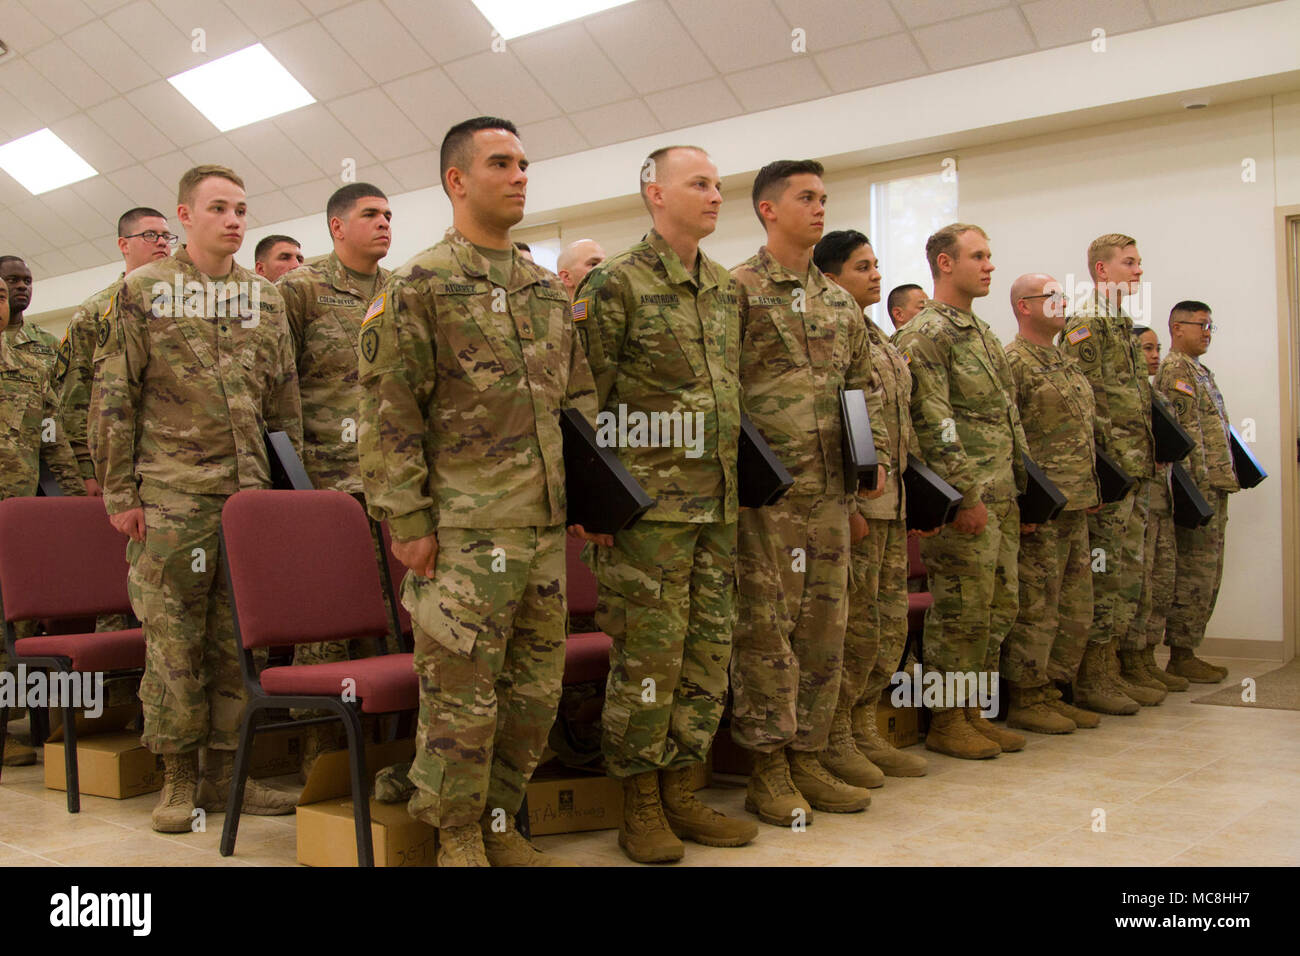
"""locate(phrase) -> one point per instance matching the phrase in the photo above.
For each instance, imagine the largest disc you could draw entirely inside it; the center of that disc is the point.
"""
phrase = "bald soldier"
(31, 341)
(1047, 640)
(577, 259)
(662, 331)
(182, 394)
(467, 358)
(969, 431)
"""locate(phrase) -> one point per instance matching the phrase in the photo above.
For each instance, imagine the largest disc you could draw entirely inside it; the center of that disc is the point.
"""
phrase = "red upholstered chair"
(60, 559)
(302, 570)
(918, 601)
(586, 654)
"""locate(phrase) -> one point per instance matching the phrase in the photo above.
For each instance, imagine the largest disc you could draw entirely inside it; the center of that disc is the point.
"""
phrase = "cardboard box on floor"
(326, 832)
(564, 800)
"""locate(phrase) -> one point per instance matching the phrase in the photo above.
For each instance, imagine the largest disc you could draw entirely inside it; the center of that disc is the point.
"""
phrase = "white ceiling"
(390, 76)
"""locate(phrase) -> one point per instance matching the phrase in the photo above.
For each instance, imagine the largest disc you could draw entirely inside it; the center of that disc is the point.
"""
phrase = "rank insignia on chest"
(1078, 335)
(1185, 387)
(369, 344)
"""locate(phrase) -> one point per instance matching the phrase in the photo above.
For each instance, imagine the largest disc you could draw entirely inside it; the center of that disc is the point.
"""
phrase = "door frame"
(1287, 222)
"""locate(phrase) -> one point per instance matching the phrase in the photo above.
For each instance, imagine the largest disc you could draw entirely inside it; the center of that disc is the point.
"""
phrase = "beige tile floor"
(1180, 784)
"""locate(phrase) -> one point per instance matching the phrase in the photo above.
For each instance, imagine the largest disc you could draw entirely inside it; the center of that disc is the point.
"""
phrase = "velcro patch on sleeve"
(579, 310)
(376, 307)
(1079, 334)
(1185, 387)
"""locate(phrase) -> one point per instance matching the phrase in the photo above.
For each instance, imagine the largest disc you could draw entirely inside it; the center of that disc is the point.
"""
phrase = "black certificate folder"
(760, 476)
(1249, 472)
(859, 448)
(1115, 481)
(1042, 500)
(931, 501)
(1172, 441)
(287, 472)
(603, 497)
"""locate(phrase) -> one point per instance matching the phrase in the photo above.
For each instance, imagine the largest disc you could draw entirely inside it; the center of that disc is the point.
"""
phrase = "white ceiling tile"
(109, 201)
(86, 255)
(324, 140)
(872, 63)
(11, 191)
(106, 53)
(265, 18)
(222, 151)
(832, 23)
(317, 62)
(792, 81)
(61, 15)
(17, 120)
(414, 172)
(164, 105)
(48, 265)
(318, 7)
(736, 35)
(131, 128)
(154, 39)
(93, 144)
(49, 224)
(76, 212)
(38, 94)
(616, 122)
(222, 32)
(919, 13)
(449, 30)
(274, 154)
(643, 39)
(549, 138)
(694, 104)
(377, 41)
(567, 62)
(311, 198)
(498, 85)
(1060, 22)
(974, 39)
(23, 30)
(169, 168)
(378, 124)
(1167, 11)
(70, 74)
(431, 101)
(102, 7)
(20, 239)
(273, 207)
(143, 188)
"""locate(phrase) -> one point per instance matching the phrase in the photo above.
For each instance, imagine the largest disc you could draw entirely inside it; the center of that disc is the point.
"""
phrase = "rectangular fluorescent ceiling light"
(514, 18)
(41, 161)
(241, 88)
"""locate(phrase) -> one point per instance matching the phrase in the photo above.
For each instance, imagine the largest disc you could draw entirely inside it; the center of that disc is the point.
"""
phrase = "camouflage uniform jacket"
(1057, 413)
(28, 415)
(893, 383)
(324, 308)
(1199, 406)
(183, 400)
(962, 406)
(35, 344)
(74, 371)
(462, 383)
(661, 341)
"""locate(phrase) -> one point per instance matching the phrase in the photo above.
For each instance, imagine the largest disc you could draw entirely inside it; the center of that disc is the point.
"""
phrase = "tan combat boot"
(175, 810)
(509, 848)
(1144, 694)
(772, 795)
(1183, 662)
(1053, 701)
(950, 733)
(644, 833)
(843, 759)
(18, 754)
(1028, 710)
(822, 789)
(1173, 683)
(1008, 741)
(692, 819)
(1095, 691)
(461, 846)
(259, 799)
(891, 760)
(1133, 671)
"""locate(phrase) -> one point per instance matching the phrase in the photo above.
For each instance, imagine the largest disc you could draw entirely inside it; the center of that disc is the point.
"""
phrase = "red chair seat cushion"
(917, 602)
(103, 651)
(586, 657)
(383, 684)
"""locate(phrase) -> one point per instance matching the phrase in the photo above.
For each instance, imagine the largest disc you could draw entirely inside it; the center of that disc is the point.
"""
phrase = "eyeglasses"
(1208, 326)
(1054, 297)
(150, 236)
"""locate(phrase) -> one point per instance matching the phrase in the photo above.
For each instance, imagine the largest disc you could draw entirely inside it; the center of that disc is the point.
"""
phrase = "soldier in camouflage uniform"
(1057, 413)
(1099, 335)
(877, 626)
(661, 328)
(31, 341)
(969, 431)
(184, 388)
(1199, 406)
(802, 342)
(467, 357)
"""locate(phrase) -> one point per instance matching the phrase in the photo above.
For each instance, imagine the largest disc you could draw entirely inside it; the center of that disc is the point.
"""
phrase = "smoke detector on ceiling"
(1196, 103)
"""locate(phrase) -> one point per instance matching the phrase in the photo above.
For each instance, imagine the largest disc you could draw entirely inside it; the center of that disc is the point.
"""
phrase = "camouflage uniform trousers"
(792, 608)
(1119, 530)
(1164, 559)
(1051, 630)
(975, 583)
(1198, 574)
(192, 690)
(668, 599)
(489, 652)
(1145, 613)
(877, 626)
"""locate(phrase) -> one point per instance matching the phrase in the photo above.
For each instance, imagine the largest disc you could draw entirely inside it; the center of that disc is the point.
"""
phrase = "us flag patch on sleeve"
(579, 310)
(1184, 387)
(1079, 334)
(376, 307)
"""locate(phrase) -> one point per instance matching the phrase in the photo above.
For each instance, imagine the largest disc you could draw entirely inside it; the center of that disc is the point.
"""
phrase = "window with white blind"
(904, 213)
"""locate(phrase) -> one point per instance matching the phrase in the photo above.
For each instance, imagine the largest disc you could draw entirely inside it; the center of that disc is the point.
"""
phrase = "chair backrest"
(60, 558)
(396, 571)
(302, 568)
(915, 566)
(582, 589)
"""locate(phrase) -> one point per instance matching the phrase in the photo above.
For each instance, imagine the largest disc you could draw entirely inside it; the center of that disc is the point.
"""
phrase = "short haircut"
(127, 222)
(896, 294)
(835, 248)
(649, 168)
(456, 144)
(523, 247)
(190, 181)
(1104, 246)
(1186, 307)
(341, 203)
(771, 179)
(4, 259)
(944, 242)
(265, 246)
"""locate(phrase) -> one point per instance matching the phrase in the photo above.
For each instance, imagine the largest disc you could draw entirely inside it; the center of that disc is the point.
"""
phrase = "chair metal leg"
(70, 758)
(238, 777)
(4, 734)
(360, 793)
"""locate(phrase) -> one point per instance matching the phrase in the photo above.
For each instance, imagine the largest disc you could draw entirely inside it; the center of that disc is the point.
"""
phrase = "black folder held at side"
(1042, 500)
(1172, 441)
(760, 476)
(1115, 481)
(931, 501)
(287, 472)
(46, 484)
(1191, 510)
(860, 462)
(602, 495)
(1247, 467)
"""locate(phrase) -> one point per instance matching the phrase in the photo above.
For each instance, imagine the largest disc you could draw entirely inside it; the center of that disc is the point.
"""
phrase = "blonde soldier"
(1191, 389)
(31, 341)
(877, 628)
(184, 388)
(802, 341)
(142, 237)
(467, 357)
(662, 332)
